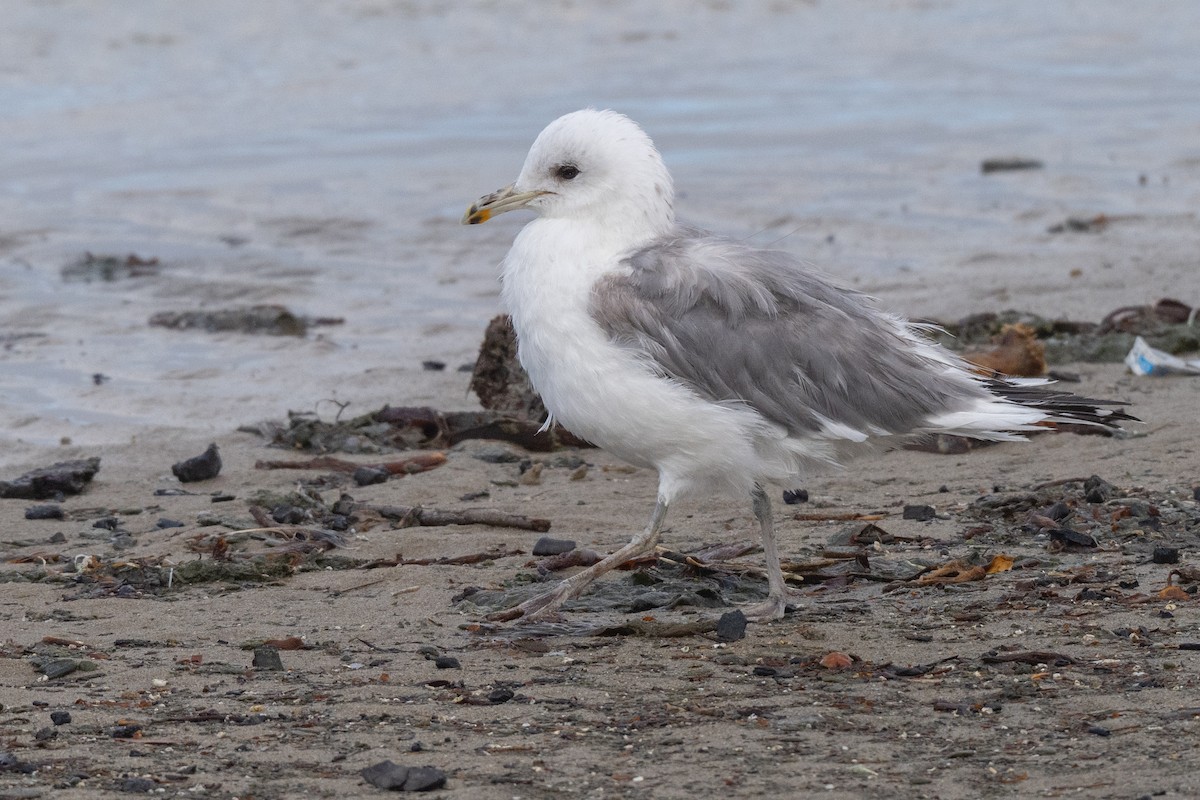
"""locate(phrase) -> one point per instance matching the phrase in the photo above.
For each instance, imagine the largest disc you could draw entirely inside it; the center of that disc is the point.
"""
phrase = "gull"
(724, 367)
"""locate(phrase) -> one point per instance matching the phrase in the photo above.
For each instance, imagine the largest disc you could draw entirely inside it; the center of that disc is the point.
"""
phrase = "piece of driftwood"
(413, 516)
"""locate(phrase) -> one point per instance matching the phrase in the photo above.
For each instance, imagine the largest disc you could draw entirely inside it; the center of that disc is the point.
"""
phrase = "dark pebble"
(731, 626)
(1165, 555)
(288, 514)
(221, 497)
(60, 717)
(125, 731)
(1099, 730)
(1196, 493)
(10, 763)
(472, 496)
(549, 546)
(267, 658)
(45, 734)
(368, 476)
(59, 667)
(1072, 537)
(107, 523)
(1189, 645)
(764, 672)
(53, 482)
(447, 662)
(388, 775)
(500, 695)
(138, 785)
(1097, 490)
(48, 511)
(794, 497)
(1058, 512)
(57, 538)
(203, 467)
(416, 747)
(920, 513)
(164, 523)
(433, 366)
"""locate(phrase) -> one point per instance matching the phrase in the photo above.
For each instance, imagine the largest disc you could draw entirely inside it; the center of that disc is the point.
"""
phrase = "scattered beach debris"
(203, 467)
(110, 267)
(364, 474)
(1016, 352)
(271, 320)
(54, 481)
(408, 428)
(1146, 360)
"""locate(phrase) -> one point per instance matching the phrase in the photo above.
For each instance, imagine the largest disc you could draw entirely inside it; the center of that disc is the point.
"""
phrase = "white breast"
(605, 393)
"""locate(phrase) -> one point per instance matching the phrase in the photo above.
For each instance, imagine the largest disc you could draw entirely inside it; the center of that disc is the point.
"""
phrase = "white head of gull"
(722, 366)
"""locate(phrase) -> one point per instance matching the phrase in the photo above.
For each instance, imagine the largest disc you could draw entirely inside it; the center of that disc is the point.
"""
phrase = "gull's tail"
(1061, 408)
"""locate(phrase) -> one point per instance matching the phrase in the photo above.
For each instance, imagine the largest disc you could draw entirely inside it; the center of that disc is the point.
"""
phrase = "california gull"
(725, 367)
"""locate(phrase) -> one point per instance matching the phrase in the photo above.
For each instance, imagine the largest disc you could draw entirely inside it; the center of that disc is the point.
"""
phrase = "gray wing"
(739, 324)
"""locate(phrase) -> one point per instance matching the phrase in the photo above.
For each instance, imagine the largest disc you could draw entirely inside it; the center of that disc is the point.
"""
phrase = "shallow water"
(319, 155)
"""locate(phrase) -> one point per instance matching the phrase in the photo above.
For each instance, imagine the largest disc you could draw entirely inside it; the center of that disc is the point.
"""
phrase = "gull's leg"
(777, 593)
(573, 586)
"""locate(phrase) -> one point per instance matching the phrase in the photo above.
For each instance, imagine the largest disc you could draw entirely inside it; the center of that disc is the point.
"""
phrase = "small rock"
(267, 658)
(794, 497)
(60, 717)
(388, 775)
(48, 511)
(496, 454)
(1058, 512)
(57, 538)
(500, 695)
(286, 514)
(731, 626)
(1097, 490)
(164, 523)
(1165, 555)
(137, 785)
(531, 476)
(59, 667)
(447, 662)
(920, 513)
(203, 467)
(131, 731)
(107, 523)
(368, 476)
(1099, 730)
(54, 481)
(10, 763)
(549, 546)
(45, 734)
(433, 366)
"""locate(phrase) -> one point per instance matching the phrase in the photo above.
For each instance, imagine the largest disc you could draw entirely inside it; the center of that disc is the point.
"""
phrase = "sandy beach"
(319, 159)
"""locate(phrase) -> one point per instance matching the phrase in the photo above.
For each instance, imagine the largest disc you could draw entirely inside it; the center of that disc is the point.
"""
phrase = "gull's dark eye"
(567, 171)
